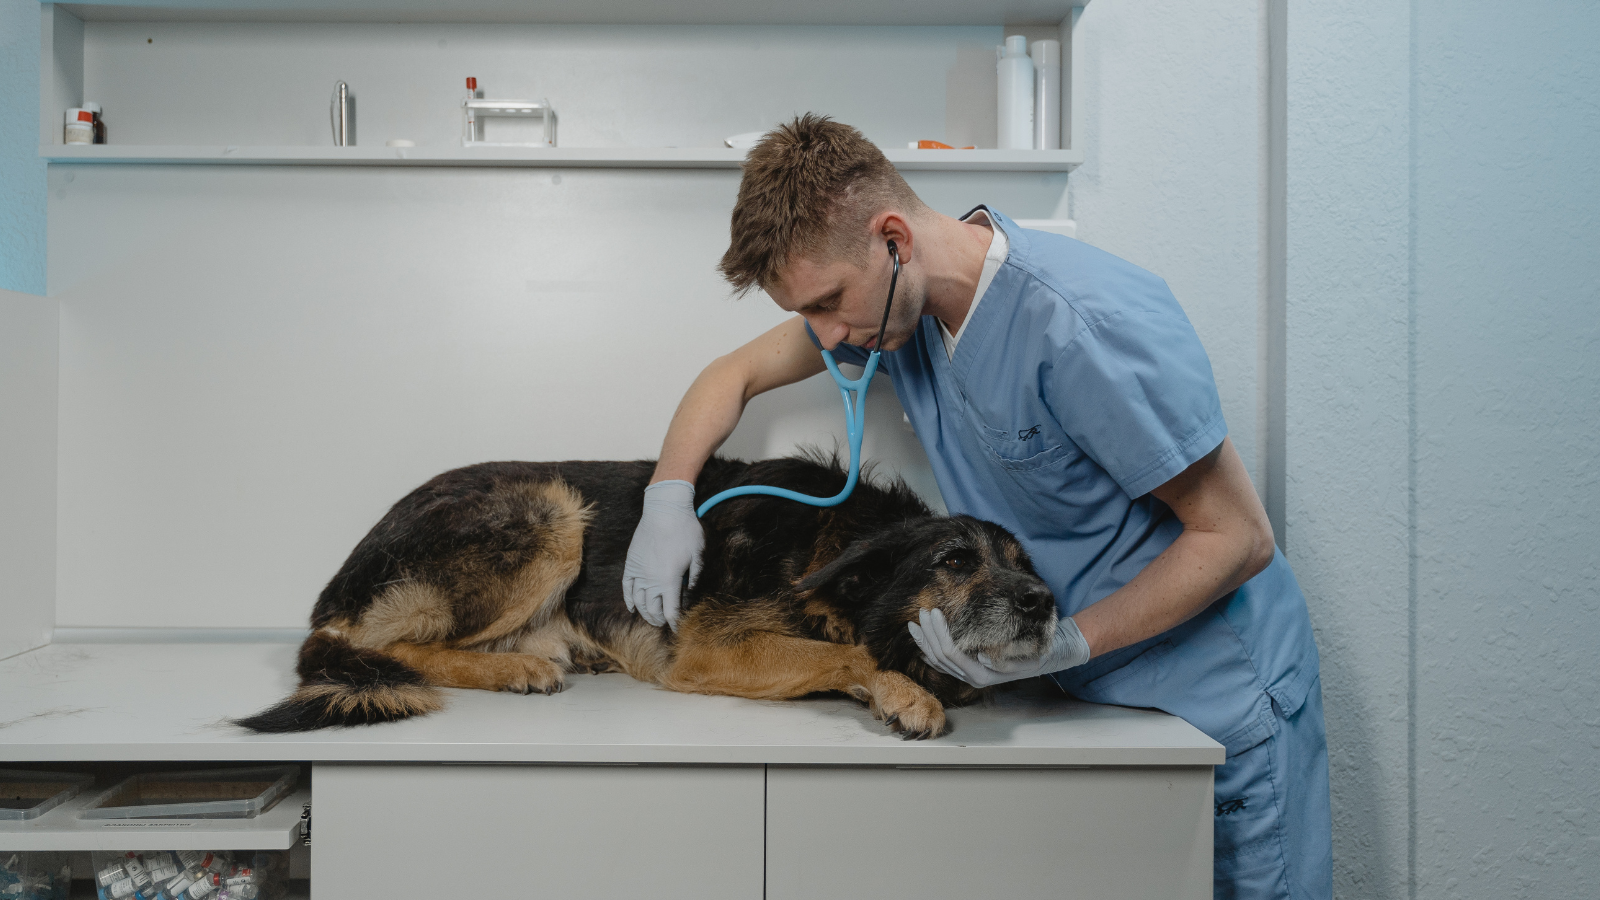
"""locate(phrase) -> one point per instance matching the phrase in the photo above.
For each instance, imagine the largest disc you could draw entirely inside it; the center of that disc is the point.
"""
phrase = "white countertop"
(149, 701)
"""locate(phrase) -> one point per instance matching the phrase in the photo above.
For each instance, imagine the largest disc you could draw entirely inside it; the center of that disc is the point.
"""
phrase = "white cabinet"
(666, 832)
(913, 833)
(779, 832)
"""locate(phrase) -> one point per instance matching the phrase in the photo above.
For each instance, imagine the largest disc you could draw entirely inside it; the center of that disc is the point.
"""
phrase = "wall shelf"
(698, 12)
(561, 157)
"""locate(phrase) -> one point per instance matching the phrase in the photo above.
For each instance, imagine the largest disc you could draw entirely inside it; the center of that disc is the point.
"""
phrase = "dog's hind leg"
(508, 632)
(522, 673)
(770, 666)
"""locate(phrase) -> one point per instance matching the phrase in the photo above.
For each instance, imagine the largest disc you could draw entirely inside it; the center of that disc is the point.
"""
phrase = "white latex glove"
(666, 544)
(932, 634)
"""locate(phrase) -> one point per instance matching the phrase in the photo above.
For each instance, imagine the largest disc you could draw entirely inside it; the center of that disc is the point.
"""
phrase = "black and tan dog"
(506, 577)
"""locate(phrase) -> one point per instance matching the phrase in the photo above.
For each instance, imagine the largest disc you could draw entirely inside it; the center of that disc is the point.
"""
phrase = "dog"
(507, 576)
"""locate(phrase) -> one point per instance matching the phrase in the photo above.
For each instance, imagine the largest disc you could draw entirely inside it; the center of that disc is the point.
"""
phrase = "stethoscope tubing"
(855, 418)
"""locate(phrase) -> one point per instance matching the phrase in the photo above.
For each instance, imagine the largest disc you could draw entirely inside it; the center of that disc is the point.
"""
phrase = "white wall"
(27, 471)
(256, 362)
(1443, 419)
(1506, 385)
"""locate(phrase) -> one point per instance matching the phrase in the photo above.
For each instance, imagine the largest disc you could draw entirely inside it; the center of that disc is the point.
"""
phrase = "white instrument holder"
(475, 111)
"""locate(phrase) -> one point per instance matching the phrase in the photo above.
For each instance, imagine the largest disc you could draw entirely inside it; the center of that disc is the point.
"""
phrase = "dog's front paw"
(522, 673)
(907, 708)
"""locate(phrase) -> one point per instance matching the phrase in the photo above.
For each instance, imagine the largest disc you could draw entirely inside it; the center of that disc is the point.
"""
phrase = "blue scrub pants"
(1273, 835)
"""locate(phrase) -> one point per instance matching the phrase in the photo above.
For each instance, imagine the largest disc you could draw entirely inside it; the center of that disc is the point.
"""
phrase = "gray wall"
(1444, 409)
(27, 348)
(28, 369)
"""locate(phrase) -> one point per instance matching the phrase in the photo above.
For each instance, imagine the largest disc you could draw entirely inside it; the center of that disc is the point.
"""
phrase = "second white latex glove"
(666, 544)
(932, 634)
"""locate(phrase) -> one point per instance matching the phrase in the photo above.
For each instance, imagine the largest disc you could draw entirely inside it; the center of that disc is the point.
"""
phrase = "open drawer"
(279, 828)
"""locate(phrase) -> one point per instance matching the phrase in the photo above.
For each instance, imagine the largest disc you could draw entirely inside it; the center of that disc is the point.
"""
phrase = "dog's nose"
(1035, 599)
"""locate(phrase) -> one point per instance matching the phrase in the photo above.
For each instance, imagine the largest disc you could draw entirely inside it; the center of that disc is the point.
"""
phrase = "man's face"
(844, 304)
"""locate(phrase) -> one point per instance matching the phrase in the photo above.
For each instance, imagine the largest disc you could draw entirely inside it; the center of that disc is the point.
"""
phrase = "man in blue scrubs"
(1060, 392)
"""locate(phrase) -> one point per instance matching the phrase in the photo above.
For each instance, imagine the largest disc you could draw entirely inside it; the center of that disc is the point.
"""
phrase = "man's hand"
(666, 544)
(932, 634)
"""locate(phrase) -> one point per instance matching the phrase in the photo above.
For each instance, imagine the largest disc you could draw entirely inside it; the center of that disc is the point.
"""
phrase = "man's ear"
(894, 226)
(850, 569)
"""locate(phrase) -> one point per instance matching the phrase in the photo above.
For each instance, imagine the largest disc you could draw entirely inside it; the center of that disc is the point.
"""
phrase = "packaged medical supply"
(160, 866)
(181, 875)
(99, 122)
(79, 126)
(1046, 94)
(1015, 98)
(470, 132)
(35, 875)
(203, 887)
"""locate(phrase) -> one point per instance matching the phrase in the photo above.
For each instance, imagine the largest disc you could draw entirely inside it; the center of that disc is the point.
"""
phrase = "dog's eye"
(956, 562)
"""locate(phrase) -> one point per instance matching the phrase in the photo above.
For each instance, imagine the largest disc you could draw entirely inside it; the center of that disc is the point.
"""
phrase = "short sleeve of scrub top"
(1135, 392)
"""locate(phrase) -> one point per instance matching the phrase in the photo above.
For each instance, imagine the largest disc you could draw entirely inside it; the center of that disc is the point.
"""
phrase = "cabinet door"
(572, 832)
(840, 833)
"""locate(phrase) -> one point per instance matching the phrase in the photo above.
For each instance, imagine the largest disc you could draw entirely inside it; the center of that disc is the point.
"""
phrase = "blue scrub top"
(1077, 386)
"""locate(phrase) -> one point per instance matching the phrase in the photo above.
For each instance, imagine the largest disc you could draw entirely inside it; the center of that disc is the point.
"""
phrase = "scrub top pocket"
(1033, 443)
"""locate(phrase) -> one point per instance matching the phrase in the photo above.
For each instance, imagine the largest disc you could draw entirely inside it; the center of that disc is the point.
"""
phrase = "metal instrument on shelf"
(339, 114)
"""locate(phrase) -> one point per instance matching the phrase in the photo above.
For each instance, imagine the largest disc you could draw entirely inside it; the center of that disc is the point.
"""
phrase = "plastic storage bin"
(29, 795)
(207, 794)
(191, 874)
(35, 875)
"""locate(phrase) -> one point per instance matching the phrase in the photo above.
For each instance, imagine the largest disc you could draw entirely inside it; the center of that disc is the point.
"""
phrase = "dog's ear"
(850, 569)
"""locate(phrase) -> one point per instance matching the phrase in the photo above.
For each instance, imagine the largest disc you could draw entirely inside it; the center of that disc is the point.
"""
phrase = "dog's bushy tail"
(342, 684)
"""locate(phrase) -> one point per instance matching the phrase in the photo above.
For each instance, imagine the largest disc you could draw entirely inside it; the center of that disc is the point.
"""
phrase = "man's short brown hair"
(810, 188)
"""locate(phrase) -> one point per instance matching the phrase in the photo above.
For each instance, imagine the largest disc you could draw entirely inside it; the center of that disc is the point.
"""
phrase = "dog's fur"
(507, 577)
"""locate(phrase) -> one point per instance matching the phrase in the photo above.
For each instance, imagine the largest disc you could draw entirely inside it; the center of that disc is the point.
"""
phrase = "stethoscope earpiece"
(894, 251)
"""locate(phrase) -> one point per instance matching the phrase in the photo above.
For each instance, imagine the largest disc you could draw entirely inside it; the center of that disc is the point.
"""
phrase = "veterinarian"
(1062, 393)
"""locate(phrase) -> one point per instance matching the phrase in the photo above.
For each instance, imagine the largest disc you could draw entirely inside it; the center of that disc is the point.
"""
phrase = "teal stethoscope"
(854, 393)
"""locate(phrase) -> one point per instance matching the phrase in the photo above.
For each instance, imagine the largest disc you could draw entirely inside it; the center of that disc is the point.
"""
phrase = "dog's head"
(975, 571)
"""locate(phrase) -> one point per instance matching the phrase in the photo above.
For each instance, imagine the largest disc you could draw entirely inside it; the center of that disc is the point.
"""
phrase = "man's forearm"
(707, 414)
(1187, 577)
(711, 408)
(1226, 540)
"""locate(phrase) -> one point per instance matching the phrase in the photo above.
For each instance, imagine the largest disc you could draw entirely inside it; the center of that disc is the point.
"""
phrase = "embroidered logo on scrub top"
(1229, 807)
(1030, 433)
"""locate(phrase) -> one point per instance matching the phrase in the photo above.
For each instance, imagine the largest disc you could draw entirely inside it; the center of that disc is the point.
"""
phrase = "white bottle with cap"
(79, 126)
(1015, 118)
(1046, 94)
